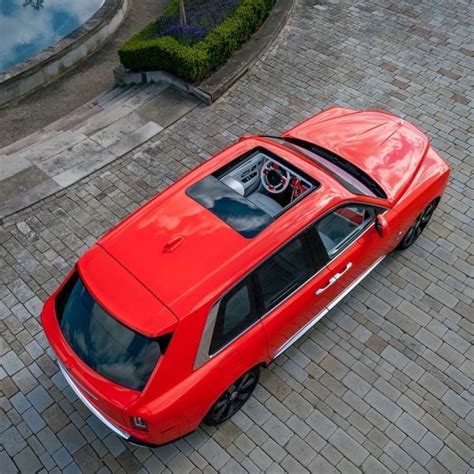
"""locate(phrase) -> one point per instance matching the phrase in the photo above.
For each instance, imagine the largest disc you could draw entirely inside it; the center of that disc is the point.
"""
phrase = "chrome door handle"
(333, 280)
(319, 291)
(339, 275)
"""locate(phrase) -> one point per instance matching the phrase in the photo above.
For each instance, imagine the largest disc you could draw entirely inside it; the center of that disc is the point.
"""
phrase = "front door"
(289, 286)
(352, 244)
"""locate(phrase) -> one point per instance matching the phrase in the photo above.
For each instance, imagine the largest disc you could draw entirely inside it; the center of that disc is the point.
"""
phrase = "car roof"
(184, 254)
(387, 148)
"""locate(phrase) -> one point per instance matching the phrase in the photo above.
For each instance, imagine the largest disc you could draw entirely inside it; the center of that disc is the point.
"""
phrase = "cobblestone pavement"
(385, 381)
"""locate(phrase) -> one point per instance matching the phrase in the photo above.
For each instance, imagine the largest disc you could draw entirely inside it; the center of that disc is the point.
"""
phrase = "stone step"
(53, 146)
(21, 146)
(120, 107)
(145, 95)
(136, 138)
(92, 117)
(26, 142)
(89, 109)
(114, 100)
(108, 95)
(114, 132)
(104, 114)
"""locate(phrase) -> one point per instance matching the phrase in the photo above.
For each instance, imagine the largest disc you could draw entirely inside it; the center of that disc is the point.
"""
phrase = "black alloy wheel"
(418, 226)
(233, 398)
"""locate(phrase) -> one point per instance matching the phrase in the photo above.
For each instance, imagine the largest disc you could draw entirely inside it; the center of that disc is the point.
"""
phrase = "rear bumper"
(113, 427)
(123, 434)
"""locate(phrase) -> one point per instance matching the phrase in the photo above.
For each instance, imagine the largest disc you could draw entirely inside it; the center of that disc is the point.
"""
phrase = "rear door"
(289, 285)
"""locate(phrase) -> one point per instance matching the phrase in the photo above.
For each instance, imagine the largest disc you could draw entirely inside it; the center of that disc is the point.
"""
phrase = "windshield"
(354, 179)
(104, 344)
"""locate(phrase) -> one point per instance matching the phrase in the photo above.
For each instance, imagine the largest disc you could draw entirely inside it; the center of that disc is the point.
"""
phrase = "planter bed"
(192, 52)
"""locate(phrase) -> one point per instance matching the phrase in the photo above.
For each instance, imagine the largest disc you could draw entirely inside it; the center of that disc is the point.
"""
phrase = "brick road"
(385, 381)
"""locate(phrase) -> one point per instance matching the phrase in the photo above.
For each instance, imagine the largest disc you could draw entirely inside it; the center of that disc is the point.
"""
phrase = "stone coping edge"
(47, 65)
(210, 89)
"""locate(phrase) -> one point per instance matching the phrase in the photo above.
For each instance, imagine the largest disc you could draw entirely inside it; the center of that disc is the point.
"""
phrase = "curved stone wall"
(50, 63)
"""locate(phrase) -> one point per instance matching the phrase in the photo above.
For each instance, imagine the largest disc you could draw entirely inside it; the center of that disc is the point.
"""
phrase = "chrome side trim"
(335, 301)
(301, 332)
(326, 310)
(90, 406)
(203, 355)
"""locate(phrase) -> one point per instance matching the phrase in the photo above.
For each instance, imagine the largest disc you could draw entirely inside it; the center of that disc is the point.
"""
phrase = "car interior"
(342, 225)
(266, 182)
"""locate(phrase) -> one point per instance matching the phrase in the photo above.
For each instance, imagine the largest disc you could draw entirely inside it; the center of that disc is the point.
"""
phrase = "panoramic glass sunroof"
(252, 191)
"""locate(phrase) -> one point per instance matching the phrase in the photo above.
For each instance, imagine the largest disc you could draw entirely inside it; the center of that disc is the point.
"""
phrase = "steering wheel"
(275, 178)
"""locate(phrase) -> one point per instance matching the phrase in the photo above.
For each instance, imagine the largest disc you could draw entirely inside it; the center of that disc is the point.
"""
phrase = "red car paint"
(162, 269)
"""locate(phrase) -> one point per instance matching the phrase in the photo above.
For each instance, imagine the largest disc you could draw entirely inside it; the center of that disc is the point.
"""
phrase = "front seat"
(266, 203)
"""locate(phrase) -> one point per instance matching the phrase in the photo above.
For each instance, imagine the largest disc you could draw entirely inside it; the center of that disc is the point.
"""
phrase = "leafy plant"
(214, 29)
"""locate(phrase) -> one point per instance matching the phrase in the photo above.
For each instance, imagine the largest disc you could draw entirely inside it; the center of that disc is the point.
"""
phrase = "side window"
(340, 227)
(236, 313)
(283, 272)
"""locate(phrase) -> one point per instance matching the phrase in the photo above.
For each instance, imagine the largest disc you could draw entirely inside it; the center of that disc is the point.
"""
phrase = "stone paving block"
(12, 441)
(356, 383)
(431, 443)
(457, 403)
(451, 461)
(20, 402)
(72, 438)
(40, 398)
(433, 385)
(301, 450)
(27, 461)
(11, 363)
(214, 454)
(62, 458)
(398, 455)
(415, 451)
(373, 466)
(49, 440)
(256, 411)
(319, 464)
(383, 405)
(33, 420)
(410, 426)
(321, 424)
(7, 465)
(349, 447)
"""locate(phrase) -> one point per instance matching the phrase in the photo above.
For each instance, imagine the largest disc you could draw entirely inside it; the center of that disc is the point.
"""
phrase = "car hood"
(387, 148)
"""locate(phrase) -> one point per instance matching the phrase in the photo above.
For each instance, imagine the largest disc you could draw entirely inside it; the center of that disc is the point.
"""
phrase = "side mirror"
(381, 225)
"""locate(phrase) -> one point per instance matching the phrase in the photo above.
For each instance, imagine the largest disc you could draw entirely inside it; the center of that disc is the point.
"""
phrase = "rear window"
(107, 346)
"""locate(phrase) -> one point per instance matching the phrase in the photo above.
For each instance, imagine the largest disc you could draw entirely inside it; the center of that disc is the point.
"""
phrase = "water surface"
(29, 26)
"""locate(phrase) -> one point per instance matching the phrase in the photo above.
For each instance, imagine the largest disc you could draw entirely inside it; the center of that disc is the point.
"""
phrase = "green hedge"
(194, 63)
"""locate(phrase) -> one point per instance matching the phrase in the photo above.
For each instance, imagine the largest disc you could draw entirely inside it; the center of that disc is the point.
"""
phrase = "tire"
(234, 398)
(418, 226)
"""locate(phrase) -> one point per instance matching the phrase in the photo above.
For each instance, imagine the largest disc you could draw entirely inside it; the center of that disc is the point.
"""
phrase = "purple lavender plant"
(202, 17)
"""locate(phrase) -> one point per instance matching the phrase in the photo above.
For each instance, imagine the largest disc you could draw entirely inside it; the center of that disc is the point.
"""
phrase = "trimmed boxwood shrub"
(143, 52)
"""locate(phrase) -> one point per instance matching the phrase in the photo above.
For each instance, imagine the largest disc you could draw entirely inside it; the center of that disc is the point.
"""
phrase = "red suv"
(168, 319)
